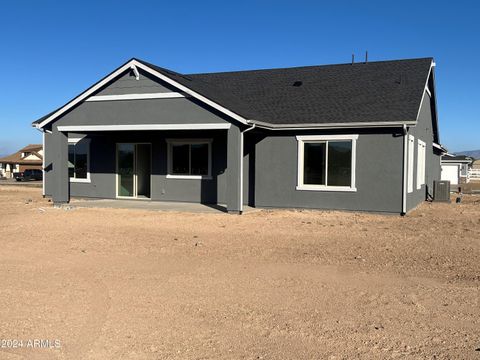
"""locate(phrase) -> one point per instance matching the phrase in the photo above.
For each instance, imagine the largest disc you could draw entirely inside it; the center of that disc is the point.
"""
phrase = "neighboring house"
(30, 157)
(474, 172)
(455, 168)
(358, 136)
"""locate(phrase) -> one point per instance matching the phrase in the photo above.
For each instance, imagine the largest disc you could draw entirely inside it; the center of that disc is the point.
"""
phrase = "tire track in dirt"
(99, 305)
(97, 302)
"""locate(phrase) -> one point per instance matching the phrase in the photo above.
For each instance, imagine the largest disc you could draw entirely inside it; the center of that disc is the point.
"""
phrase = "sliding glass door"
(133, 170)
(125, 169)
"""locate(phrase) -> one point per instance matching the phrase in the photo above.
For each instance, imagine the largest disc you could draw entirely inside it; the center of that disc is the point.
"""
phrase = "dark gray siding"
(152, 111)
(128, 84)
(424, 131)
(378, 174)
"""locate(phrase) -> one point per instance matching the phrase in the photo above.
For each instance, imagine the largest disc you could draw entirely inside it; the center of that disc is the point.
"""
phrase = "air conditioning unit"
(441, 190)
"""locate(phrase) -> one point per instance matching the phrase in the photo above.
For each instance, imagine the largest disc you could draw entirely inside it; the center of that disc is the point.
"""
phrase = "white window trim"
(87, 180)
(171, 142)
(421, 169)
(320, 138)
(411, 151)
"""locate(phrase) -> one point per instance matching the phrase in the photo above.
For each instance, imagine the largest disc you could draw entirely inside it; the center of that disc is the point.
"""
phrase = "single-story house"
(474, 171)
(29, 157)
(361, 136)
(455, 168)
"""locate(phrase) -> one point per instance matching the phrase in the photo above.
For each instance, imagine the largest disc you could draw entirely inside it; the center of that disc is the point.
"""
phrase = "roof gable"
(135, 65)
(33, 158)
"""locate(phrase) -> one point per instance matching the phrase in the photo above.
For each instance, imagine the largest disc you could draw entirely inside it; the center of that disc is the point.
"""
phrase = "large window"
(189, 159)
(79, 160)
(420, 164)
(326, 162)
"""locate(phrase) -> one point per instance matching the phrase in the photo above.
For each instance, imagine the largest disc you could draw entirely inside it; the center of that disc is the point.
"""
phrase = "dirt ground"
(134, 284)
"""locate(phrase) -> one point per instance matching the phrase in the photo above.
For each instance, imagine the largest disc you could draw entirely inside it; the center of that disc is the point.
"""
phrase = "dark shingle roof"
(463, 158)
(384, 91)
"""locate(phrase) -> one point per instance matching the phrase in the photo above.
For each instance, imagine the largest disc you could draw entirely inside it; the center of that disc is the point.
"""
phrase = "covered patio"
(143, 166)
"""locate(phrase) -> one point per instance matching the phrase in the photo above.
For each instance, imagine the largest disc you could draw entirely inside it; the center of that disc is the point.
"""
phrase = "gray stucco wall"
(424, 131)
(152, 111)
(128, 84)
(270, 174)
(378, 173)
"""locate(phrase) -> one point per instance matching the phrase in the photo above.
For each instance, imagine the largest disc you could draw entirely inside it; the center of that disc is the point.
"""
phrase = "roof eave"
(311, 126)
(440, 147)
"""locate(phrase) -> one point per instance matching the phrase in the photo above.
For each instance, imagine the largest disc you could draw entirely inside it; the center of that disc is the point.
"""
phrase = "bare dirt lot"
(134, 284)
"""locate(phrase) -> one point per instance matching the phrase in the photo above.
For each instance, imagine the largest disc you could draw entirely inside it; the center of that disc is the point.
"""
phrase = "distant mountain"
(472, 153)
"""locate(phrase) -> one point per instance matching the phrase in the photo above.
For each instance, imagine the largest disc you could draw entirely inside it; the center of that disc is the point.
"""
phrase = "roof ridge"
(309, 66)
(31, 146)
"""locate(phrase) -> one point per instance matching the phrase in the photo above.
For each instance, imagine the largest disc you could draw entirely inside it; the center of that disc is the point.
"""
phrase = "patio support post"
(61, 188)
(234, 172)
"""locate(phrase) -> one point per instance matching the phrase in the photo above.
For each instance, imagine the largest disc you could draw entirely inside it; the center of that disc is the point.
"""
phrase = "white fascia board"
(191, 92)
(212, 126)
(441, 148)
(167, 95)
(332, 125)
(425, 88)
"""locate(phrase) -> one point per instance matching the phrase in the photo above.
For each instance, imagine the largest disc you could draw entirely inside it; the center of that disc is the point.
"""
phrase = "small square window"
(189, 158)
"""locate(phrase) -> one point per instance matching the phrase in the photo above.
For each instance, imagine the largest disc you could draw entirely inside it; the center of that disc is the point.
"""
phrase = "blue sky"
(53, 50)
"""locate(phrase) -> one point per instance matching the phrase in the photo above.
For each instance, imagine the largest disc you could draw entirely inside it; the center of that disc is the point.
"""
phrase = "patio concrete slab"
(150, 205)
